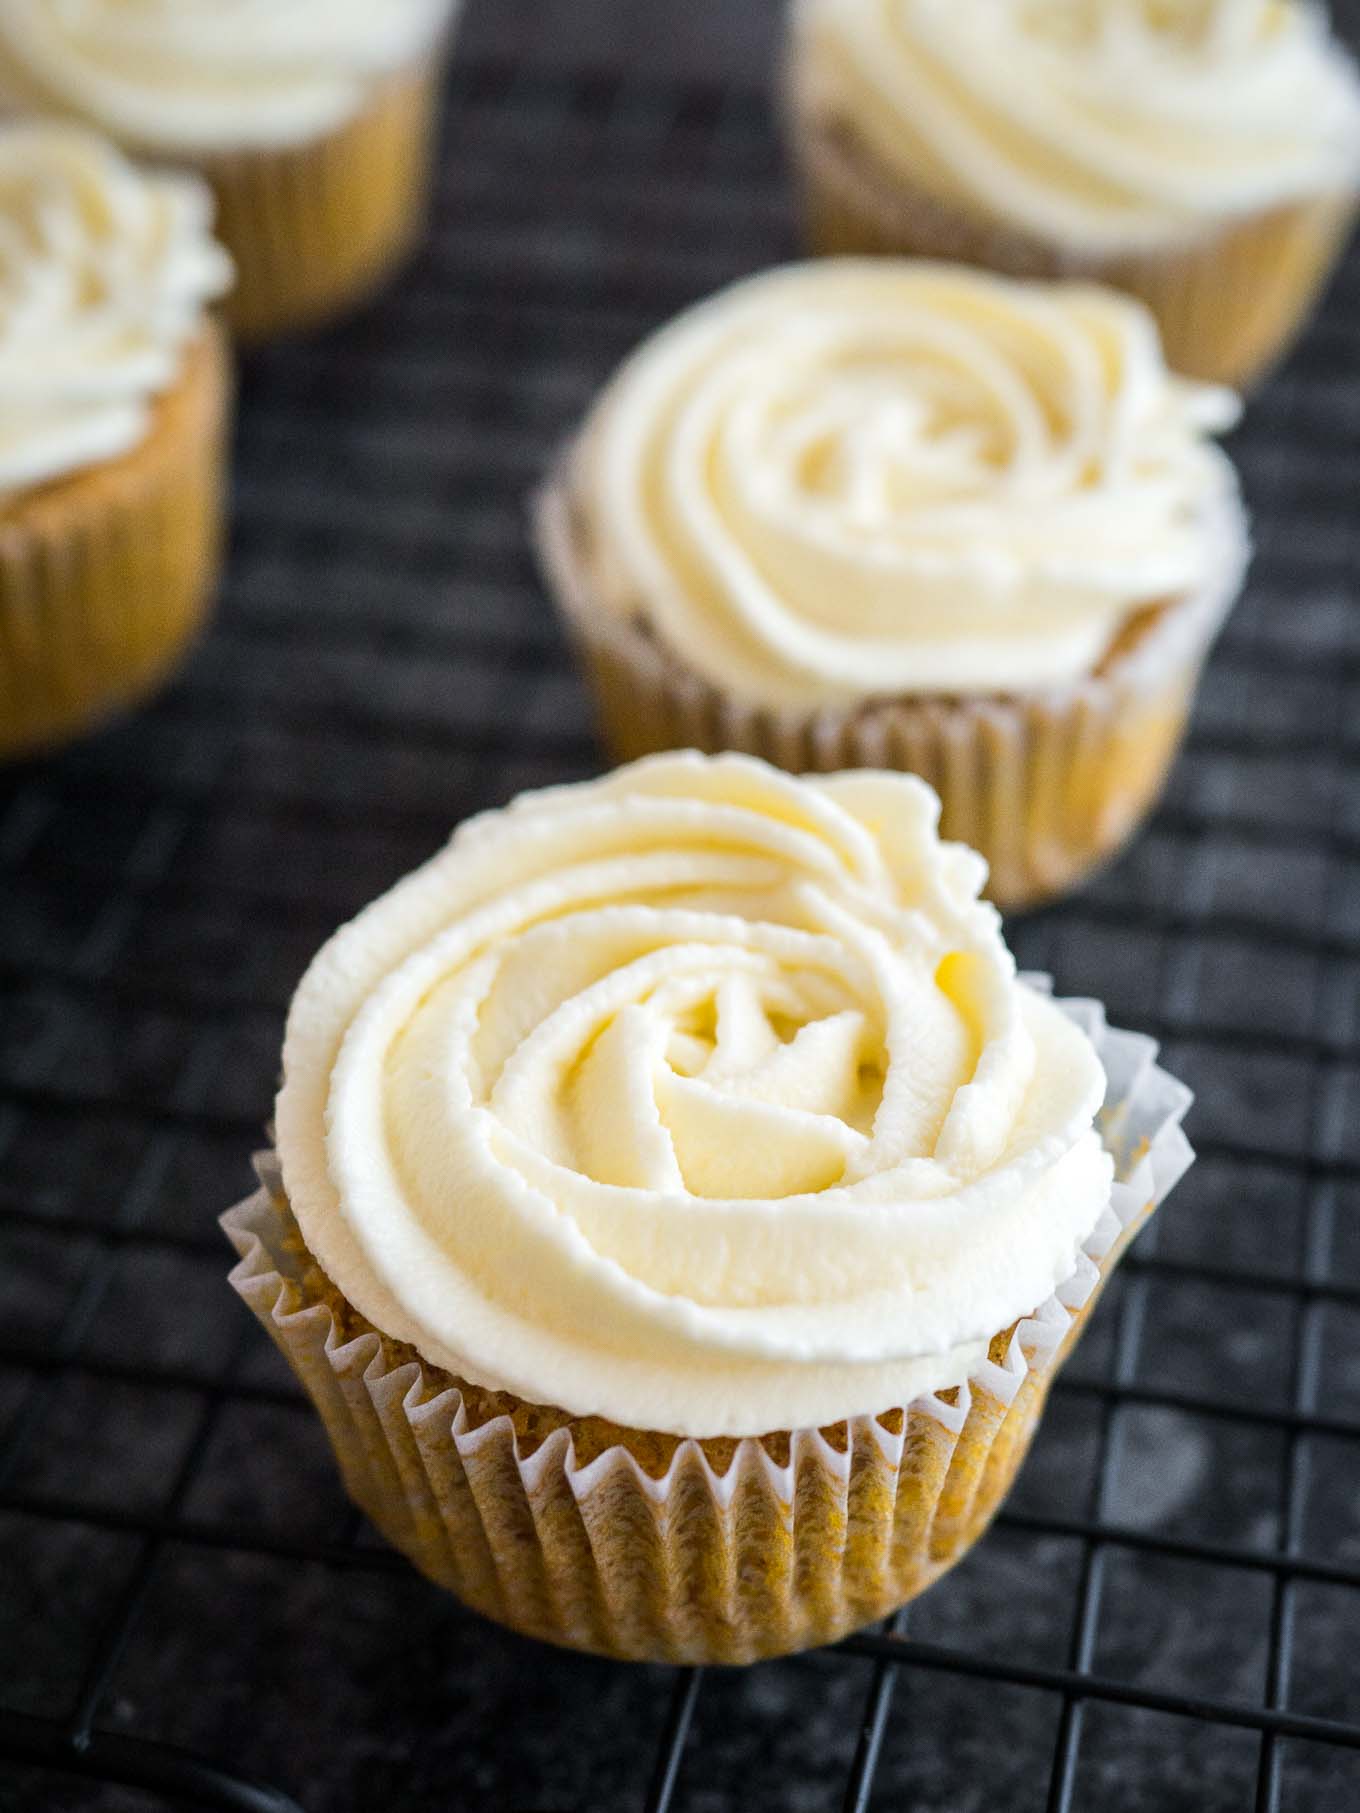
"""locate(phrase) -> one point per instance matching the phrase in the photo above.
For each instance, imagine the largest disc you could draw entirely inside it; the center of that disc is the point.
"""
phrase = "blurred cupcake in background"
(1201, 154)
(311, 119)
(888, 513)
(114, 398)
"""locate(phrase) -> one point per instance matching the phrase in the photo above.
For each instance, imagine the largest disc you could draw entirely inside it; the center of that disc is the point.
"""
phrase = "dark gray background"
(383, 663)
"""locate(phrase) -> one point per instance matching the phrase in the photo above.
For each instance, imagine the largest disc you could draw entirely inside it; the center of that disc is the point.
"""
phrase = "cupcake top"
(105, 271)
(192, 76)
(864, 477)
(700, 1098)
(1101, 126)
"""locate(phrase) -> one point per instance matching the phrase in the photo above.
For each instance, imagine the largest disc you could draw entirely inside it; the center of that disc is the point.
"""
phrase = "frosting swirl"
(204, 75)
(1102, 126)
(701, 1098)
(105, 271)
(859, 477)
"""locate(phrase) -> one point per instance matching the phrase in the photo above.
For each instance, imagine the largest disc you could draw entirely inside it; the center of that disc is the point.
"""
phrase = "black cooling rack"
(1165, 1616)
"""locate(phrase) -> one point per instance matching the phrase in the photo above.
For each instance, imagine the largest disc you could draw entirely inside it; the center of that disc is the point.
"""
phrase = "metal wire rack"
(1165, 1614)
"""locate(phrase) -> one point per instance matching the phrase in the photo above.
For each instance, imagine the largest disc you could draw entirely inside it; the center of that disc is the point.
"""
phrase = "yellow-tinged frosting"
(205, 75)
(701, 1098)
(105, 271)
(861, 477)
(1101, 126)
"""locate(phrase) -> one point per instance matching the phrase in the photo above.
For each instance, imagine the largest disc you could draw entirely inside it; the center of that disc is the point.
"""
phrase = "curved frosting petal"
(701, 1098)
(860, 477)
(105, 271)
(1099, 125)
(205, 75)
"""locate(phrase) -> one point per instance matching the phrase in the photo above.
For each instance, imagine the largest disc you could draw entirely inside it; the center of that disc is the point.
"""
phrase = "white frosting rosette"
(193, 76)
(1103, 126)
(860, 478)
(105, 272)
(699, 1098)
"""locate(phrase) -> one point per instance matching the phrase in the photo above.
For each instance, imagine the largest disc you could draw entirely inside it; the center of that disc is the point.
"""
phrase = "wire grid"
(1163, 1614)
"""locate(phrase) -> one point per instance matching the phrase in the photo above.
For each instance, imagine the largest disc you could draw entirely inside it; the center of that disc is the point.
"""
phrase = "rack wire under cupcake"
(189, 1613)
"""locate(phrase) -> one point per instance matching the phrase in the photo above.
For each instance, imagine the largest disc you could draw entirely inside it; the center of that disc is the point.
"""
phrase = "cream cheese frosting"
(701, 1098)
(105, 271)
(1100, 126)
(865, 477)
(193, 76)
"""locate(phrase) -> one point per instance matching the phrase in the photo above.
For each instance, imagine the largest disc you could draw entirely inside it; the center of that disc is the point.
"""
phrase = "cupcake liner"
(106, 575)
(667, 1549)
(314, 228)
(1045, 785)
(1228, 306)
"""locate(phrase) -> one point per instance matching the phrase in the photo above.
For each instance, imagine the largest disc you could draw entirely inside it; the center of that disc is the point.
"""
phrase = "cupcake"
(681, 1208)
(1200, 154)
(114, 400)
(887, 513)
(311, 119)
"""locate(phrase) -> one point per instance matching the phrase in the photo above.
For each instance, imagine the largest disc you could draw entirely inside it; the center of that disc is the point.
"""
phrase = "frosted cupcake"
(114, 393)
(885, 513)
(682, 1208)
(1201, 154)
(311, 119)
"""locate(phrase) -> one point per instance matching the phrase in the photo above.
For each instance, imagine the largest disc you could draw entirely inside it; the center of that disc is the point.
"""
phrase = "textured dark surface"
(176, 1559)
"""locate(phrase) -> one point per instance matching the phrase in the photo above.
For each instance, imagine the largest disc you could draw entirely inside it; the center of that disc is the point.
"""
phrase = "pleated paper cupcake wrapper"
(106, 576)
(1228, 306)
(1046, 786)
(728, 1550)
(315, 228)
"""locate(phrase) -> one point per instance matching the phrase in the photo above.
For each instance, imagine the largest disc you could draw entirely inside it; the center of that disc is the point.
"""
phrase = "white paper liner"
(437, 1484)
